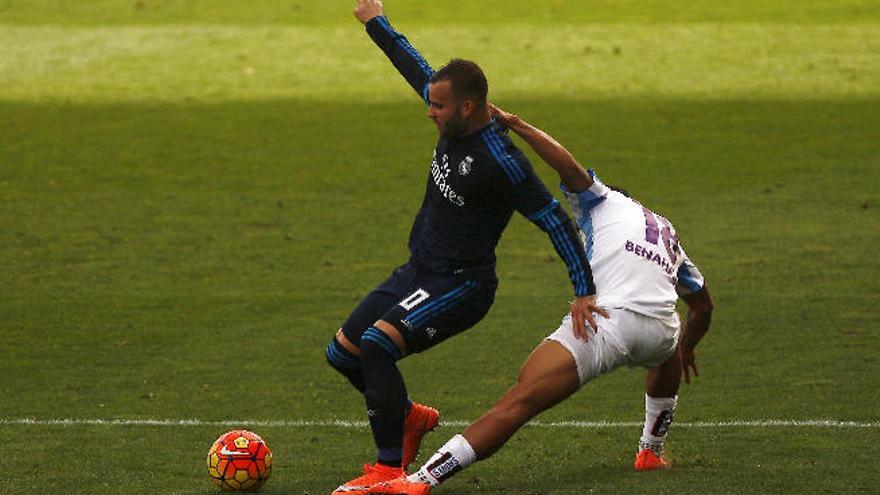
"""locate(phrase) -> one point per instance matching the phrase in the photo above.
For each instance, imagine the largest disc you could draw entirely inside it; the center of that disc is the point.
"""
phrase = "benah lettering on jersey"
(440, 172)
(650, 255)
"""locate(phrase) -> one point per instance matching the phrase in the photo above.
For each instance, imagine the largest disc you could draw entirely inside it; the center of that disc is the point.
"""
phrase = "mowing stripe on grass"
(341, 423)
(201, 63)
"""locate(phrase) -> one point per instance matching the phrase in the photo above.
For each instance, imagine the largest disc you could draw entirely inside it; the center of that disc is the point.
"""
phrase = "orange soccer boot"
(400, 486)
(648, 460)
(420, 420)
(373, 474)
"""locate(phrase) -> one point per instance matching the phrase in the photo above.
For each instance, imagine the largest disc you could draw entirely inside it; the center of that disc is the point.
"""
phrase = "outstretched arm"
(573, 175)
(408, 61)
(531, 198)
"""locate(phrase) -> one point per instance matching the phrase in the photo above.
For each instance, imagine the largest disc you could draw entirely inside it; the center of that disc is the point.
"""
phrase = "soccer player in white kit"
(640, 270)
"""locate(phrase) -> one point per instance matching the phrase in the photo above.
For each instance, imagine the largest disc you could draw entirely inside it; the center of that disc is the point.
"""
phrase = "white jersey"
(636, 258)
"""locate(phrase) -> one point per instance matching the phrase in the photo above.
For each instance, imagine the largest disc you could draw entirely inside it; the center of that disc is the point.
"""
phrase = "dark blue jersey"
(474, 185)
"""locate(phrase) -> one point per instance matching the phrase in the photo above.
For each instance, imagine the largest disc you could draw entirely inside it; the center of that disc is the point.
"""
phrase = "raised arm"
(573, 175)
(531, 198)
(406, 59)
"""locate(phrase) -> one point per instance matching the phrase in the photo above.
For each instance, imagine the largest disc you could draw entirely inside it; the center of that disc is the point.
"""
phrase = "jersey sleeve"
(688, 279)
(406, 59)
(531, 198)
(582, 202)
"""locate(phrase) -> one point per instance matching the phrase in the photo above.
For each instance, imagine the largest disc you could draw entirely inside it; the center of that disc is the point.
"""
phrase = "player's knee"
(338, 357)
(376, 345)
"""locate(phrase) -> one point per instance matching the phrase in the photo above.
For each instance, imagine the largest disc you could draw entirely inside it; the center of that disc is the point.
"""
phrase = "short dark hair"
(466, 78)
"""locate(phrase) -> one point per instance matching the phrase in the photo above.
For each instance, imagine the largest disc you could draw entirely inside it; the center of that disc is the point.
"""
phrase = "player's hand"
(582, 310)
(506, 118)
(367, 9)
(688, 363)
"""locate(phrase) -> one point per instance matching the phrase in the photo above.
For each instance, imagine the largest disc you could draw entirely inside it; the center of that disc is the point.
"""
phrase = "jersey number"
(653, 232)
(414, 299)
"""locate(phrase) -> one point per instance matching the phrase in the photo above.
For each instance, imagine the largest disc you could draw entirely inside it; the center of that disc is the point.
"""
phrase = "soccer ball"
(239, 460)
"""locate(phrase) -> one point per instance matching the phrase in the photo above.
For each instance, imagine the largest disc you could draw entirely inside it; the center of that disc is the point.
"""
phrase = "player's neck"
(477, 121)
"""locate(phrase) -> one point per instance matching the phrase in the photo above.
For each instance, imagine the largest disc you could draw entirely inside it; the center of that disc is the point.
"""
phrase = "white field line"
(340, 423)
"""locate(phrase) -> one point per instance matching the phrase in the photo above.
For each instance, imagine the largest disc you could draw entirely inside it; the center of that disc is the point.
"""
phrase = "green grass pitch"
(194, 194)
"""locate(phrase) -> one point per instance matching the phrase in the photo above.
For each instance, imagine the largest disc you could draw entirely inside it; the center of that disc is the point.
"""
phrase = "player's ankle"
(659, 412)
(455, 455)
(652, 445)
(390, 463)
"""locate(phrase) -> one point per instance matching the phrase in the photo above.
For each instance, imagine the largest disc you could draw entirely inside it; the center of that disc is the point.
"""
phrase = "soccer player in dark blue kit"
(477, 179)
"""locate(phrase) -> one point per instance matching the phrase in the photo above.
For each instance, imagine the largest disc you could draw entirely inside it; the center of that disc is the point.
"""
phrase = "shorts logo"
(464, 167)
(431, 331)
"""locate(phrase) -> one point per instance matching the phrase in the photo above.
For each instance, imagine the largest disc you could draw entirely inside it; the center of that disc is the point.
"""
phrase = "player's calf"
(385, 394)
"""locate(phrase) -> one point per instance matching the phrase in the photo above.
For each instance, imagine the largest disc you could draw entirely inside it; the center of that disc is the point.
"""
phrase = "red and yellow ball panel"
(239, 460)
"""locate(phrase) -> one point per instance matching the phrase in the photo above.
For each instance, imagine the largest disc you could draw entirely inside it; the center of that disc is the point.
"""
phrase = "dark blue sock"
(385, 394)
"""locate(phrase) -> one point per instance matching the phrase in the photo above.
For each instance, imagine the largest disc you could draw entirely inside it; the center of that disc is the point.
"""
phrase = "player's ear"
(468, 107)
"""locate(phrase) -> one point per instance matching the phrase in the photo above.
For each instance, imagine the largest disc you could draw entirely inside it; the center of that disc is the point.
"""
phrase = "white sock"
(658, 417)
(449, 459)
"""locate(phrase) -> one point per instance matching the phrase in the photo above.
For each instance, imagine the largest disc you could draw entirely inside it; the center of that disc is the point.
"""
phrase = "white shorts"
(625, 338)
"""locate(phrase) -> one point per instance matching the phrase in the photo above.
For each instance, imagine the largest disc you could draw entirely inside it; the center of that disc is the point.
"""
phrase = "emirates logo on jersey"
(440, 174)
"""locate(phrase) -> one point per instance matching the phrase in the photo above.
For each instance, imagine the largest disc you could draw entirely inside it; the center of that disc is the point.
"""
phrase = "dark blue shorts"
(425, 307)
